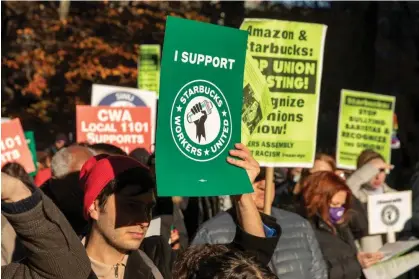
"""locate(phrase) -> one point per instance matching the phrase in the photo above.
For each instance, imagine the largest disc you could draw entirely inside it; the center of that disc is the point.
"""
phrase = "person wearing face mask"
(369, 179)
(358, 221)
(326, 204)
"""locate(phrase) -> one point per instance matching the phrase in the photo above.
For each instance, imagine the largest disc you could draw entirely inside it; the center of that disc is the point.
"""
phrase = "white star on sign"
(179, 108)
(206, 152)
(224, 113)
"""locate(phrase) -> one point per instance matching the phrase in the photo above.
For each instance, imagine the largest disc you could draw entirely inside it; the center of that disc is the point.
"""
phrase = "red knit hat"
(98, 171)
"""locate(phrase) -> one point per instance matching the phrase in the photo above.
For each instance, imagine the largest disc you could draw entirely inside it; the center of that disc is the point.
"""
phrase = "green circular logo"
(200, 121)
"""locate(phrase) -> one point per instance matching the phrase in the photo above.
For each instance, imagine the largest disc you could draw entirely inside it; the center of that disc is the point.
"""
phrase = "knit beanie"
(98, 171)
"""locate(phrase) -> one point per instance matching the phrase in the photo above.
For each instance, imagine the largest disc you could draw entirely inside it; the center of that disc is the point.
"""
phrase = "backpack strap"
(151, 265)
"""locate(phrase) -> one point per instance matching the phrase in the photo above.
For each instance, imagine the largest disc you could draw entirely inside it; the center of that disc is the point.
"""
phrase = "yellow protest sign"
(290, 56)
(365, 122)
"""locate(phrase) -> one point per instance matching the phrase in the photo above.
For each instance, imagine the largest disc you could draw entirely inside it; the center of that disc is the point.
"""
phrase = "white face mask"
(296, 178)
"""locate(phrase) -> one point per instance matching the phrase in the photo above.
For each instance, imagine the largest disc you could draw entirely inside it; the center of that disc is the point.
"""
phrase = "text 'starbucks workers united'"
(201, 121)
(200, 110)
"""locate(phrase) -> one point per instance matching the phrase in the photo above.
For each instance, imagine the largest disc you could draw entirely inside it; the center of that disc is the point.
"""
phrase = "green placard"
(290, 57)
(365, 122)
(200, 110)
(30, 140)
(149, 68)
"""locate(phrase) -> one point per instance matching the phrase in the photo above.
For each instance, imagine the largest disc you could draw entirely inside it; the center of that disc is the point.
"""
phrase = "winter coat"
(53, 249)
(339, 250)
(296, 255)
(356, 182)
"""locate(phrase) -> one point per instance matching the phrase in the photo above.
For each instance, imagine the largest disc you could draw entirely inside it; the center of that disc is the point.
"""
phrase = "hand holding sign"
(204, 105)
(248, 162)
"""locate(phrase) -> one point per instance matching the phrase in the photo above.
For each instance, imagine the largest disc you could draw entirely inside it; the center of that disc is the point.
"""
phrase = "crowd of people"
(86, 214)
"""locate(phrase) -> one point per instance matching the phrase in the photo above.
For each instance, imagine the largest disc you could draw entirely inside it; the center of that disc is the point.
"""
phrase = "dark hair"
(107, 148)
(61, 136)
(261, 175)
(18, 171)
(151, 160)
(43, 157)
(137, 176)
(141, 155)
(218, 261)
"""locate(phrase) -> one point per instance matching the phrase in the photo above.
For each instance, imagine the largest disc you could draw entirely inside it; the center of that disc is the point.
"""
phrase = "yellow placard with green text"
(149, 68)
(290, 57)
(256, 99)
(365, 122)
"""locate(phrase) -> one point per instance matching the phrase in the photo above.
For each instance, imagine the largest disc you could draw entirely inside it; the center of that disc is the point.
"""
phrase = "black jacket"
(135, 268)
(339, 251)
(284, 192)
(161, 253)
(358, 222)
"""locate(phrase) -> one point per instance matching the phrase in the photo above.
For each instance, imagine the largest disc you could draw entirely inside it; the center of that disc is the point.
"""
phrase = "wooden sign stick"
(269, 190)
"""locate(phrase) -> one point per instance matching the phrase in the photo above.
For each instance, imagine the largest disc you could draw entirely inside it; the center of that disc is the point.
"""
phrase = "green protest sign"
(290, 57)
(365, 122)
(149, 68)
(200, 110)
(30, 140)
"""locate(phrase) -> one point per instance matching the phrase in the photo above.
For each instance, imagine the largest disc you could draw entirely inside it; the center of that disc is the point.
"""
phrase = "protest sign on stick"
(125, 127)
(365, 122)
(290, 57)
(13, 145)
(269, 190)
(201, 96)
(116, 96)
(149, 68)
(388, 213)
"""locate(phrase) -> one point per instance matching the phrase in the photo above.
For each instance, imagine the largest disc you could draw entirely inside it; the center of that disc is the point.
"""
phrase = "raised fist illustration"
(200, 122)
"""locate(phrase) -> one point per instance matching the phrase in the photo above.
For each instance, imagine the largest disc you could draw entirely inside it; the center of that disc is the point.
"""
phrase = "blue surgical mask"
(296, 178)
(336, 213)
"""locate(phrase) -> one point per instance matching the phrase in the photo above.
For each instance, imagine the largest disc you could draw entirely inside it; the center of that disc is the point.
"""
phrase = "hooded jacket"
(356, 182)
